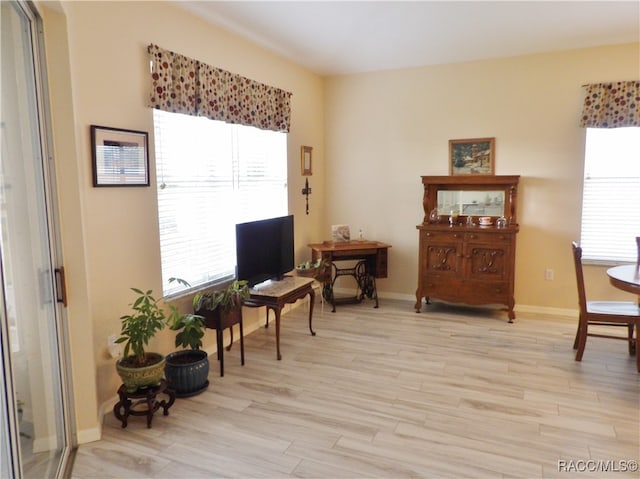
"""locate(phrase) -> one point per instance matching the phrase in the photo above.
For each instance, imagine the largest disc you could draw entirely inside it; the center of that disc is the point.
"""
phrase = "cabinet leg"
(418, 305)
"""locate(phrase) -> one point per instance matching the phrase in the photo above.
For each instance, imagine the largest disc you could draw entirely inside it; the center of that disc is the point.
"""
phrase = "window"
(611, 195)
(212, 175)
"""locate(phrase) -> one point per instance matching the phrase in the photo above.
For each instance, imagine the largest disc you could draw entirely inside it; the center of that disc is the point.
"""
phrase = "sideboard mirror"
(473, 196)
(471, 202)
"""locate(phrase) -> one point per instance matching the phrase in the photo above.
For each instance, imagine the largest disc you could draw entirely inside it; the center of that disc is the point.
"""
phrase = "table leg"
(242, 343)
(220, 348)
(277, 311)
(327, 294)
(230, 338)
(312, 300)
(375, 289)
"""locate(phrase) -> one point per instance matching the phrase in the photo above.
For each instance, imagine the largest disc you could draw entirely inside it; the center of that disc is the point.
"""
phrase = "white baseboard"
(90, 435)
(520, 308)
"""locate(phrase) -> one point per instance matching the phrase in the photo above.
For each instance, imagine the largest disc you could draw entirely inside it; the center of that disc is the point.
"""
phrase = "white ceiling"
(340, 37)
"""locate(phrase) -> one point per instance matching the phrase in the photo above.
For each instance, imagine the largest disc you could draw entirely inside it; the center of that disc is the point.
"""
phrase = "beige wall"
(373, 136)
(384, 130)
(98, 70)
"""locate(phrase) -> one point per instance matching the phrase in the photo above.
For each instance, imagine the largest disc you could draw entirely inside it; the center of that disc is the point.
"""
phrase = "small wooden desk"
(275, 294)
(372, 265)
(626, 277)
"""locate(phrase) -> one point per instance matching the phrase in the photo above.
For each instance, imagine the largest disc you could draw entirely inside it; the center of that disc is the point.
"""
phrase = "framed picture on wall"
(305, 158)
(119, 157)
(473, 156)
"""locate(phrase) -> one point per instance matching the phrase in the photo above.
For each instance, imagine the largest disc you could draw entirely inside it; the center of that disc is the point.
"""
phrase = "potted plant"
(139, 368)
(222, 309)
(225, 301)
(312, 269)
(187, 370)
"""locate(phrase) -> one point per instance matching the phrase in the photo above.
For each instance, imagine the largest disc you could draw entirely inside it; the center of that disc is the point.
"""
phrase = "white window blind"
(212, 175)
(611, 195)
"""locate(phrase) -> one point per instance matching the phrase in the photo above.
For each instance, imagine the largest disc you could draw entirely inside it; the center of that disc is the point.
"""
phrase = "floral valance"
(183, 85)
(611, 105)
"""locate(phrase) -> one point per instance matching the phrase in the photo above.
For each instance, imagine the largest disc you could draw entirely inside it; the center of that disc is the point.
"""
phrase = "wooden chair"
(604, 313)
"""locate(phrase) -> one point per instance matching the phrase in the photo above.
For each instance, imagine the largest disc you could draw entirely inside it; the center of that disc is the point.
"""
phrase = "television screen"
(264, 249)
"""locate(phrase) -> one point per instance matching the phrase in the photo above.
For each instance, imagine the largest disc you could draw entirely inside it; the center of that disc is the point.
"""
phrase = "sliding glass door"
(34, 422)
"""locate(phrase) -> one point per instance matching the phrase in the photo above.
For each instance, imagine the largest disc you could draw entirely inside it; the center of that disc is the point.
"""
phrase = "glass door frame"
(64, 382)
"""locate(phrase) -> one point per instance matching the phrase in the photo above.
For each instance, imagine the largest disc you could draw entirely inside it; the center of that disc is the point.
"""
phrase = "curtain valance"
(183, 85)
(611, 105)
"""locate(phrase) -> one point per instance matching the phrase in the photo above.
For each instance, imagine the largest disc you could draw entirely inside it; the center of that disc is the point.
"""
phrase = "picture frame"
(340, 233)
(119, 157)
(306, 160)
(472, 156)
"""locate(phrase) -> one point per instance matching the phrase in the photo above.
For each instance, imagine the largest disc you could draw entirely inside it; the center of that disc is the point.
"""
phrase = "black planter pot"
(187, 372)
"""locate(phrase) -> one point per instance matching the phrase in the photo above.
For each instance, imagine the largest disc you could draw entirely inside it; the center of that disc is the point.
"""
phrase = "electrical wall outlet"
(548, 274)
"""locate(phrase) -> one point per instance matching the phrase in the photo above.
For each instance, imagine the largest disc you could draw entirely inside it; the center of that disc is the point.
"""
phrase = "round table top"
(625, 277)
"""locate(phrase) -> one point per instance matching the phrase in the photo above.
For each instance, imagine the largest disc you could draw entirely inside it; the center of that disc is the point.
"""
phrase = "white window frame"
(210, 176)
(611, 196)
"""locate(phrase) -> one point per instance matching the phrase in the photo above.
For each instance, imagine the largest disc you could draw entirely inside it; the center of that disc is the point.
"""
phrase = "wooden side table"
(145, 402)
(274, 295)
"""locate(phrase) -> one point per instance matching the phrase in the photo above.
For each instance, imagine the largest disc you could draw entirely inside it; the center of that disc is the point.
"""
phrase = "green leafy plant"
(191, 329)
(190, 326)
(232, 296)
(141, 325)
(312, 264)
(147, 318)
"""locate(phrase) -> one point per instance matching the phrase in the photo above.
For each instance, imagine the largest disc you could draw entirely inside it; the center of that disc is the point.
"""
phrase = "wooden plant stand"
(145, 403)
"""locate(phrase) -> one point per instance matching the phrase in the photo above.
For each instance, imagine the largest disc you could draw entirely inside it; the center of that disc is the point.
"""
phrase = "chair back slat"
(577, 260)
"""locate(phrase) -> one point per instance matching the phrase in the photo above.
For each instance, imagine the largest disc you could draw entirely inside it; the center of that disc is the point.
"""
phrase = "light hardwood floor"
(452, 392)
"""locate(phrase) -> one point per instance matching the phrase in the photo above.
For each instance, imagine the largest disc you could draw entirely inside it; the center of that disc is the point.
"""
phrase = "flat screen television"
(264, 249)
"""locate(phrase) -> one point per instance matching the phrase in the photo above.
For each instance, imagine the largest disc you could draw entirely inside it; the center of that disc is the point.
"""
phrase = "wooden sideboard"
(462, 262)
